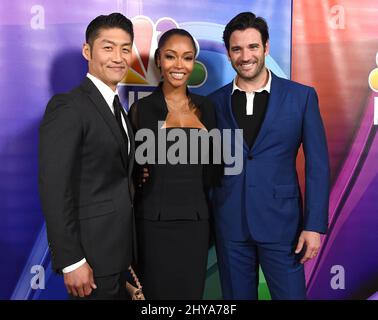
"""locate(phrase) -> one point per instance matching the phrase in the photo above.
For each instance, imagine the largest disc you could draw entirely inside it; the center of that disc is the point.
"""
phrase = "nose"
(245, 55)
(178, 63)
(117, 55)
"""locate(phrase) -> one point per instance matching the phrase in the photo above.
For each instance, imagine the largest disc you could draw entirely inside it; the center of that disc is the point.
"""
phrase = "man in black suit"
(85, 163)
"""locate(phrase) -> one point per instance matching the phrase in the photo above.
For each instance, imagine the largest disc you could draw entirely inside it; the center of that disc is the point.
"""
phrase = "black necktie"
(118, 115)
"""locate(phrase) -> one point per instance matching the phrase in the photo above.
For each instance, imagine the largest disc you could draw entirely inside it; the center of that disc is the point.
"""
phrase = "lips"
(247, 66)
(177, 75)
(117, 68)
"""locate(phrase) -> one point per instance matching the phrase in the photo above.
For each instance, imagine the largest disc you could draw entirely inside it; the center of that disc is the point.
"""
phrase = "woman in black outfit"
(171, 206)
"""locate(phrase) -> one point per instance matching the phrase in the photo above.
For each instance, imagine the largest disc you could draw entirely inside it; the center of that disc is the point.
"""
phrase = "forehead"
(247, 36)
(116, 35)
(178, 42)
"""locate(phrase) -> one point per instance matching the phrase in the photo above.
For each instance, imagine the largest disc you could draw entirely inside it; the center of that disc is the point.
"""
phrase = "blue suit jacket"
(264, 200)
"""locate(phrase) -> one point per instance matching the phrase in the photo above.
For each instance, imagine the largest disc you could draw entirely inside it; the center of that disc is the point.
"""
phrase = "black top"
(250, 124)
(173, 191)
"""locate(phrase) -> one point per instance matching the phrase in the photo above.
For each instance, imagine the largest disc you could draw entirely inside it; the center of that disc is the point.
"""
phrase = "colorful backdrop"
(331, 45)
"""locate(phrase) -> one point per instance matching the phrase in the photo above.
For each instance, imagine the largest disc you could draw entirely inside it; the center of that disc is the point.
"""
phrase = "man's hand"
(311, 241)
(80, 282)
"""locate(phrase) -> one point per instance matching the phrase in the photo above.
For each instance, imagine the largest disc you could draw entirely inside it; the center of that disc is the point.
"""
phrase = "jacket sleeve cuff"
(74, 266)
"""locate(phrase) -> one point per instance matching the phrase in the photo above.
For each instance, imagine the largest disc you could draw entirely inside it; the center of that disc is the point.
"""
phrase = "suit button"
(250, 157)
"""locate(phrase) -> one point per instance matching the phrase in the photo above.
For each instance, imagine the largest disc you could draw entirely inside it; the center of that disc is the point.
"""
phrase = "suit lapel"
(277, 95)
(160, 104)
(104, 110)
(131, 155)
(228, 104)
(130, 134)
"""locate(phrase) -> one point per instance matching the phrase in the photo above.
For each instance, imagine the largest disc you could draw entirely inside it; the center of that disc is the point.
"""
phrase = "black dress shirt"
(250, 124)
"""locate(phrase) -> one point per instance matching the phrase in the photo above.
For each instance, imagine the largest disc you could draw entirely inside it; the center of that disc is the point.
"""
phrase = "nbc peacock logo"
(373, 77)
(373, 83)
(143, 76)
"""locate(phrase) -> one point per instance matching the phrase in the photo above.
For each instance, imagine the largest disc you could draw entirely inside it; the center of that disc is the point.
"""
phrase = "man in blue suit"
(259, 216)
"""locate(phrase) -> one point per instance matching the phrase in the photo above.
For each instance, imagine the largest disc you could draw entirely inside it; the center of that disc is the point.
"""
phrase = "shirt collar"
(266, 87)
(104, 89)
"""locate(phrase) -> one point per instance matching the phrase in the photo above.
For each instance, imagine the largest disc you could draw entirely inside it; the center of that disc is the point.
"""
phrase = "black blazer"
(164, 197)
(84, 182)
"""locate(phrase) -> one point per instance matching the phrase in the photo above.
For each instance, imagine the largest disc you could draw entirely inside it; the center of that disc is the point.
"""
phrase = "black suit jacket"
(84, 181)
(165, 195)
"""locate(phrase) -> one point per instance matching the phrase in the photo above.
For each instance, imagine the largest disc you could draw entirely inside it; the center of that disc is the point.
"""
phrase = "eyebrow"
(249, 44)
(113, 43)
(176, 51)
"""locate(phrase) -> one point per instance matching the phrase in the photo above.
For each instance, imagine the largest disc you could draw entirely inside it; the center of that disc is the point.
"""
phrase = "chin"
(177, 83)
(116, 80)
(246, 75)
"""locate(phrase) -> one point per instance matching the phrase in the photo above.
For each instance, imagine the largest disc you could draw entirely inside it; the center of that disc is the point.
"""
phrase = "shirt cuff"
(74, 266)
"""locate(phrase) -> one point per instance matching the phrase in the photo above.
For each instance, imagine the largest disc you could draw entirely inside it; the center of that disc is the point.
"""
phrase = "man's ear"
(267, 47)
(86, 51)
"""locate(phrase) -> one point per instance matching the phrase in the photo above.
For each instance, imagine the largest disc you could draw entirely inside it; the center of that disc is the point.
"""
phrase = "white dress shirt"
(108, 95)
(250, 95)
